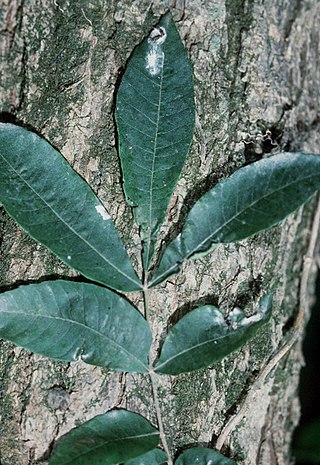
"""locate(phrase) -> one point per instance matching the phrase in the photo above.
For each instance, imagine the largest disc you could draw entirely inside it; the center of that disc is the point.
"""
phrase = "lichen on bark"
(255, 73)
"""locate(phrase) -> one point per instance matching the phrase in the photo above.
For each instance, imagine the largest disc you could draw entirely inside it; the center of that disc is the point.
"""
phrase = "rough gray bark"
(256, 67)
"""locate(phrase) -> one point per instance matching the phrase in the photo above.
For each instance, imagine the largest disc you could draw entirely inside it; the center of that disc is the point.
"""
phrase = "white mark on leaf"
(237, 319)
(251, 319)
(103, 212)
(69, 257)
(78, 355)
(155, 55)
(158, 35)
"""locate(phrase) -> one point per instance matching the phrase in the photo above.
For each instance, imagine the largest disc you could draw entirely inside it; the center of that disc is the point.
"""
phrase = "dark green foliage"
(75, 321)
(204, 337)
(253, 199)
(202, 456)
(155, 120)
(154, 457)
(57, 208)
(107, 439)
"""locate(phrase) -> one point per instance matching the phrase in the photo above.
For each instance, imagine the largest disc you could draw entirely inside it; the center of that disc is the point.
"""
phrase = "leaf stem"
(154, 384)
(146, 302)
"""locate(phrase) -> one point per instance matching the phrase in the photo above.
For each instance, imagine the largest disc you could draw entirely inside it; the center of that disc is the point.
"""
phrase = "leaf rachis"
(80, 321)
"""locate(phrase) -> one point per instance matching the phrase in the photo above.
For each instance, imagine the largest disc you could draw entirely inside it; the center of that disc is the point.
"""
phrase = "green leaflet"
(204, 337)
(253, 199)
(202, 456)
(155, 121)
(108, 439)
(154, 457)
(56, 207)
(70, 321)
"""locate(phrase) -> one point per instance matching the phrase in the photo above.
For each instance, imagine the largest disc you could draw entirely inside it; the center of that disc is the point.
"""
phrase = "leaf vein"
(68, 225)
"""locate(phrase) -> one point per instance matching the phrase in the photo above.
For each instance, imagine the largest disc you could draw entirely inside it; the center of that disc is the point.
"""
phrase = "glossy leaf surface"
(253, 199)
(69, 321)
(155, 120)
(204, 337)
(202, 456)
(56, 207)
(154, 457)
(108, 439)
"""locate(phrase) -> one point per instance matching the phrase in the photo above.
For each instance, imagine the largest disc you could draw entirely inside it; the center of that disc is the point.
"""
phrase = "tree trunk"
(256, 74)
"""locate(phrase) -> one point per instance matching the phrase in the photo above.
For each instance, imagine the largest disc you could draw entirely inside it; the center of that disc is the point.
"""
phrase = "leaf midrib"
(250, 206)
(229, 332)
(154, 160)
(190, 349)
(67, 225)
(225, 224)
(112, 441)
(76, 323)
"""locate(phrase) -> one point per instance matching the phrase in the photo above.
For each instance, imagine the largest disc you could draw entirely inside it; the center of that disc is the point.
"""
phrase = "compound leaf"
(56, 207)
(70, 321)
(253, 199)
(108, 439)
(155, 120)
(154, 457)
(202, 456)
(204, 337)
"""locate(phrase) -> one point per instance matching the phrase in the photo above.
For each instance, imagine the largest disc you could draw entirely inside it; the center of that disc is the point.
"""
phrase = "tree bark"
(256, 74)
